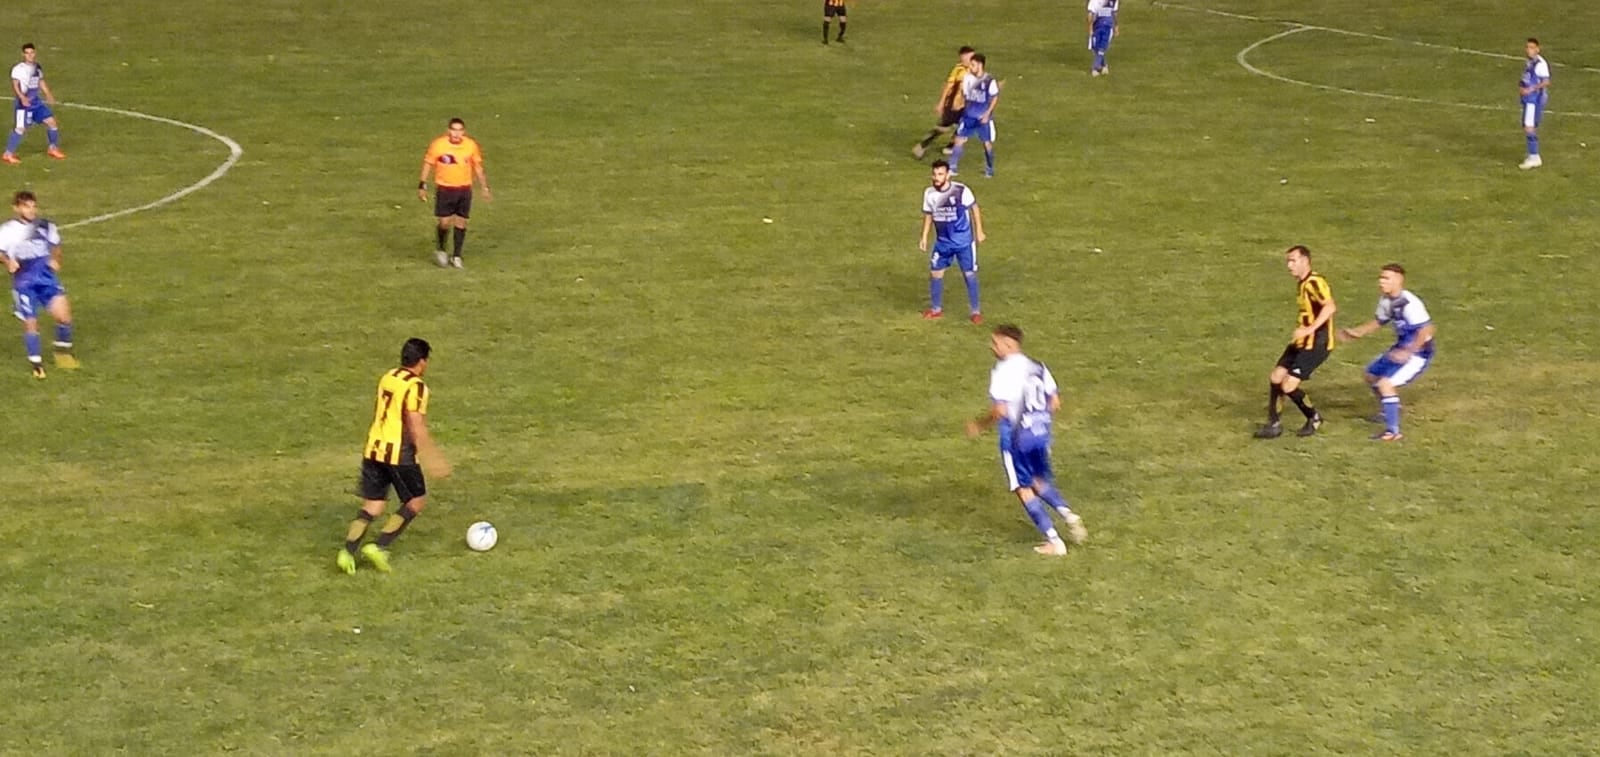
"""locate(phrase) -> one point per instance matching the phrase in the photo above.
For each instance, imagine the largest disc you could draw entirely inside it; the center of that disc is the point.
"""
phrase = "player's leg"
(1043, 482)
(1274, 427)
(52, 131)
(938, 262)
(827, 19)
(967, 259)
(373, 489)
(843, 22)
(442, 226)
(24, 307)
(1532, 114)
(1097, 44)
(958, 146)
(988, 150)
(412, 489)
(14, 139)
(1377, 376)
(61, 312)
(1019, 478)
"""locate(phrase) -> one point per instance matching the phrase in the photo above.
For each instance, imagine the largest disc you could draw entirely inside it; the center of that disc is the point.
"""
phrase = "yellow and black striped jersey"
(1313, 295)
(399, 392)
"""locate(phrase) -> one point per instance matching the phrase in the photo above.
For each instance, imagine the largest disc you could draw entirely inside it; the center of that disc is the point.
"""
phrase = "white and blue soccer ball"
(481, 536)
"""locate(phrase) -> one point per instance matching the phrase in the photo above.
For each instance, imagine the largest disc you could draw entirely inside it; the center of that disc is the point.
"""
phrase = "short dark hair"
(980, 59)
(941, 163)
(26, 46)
(1396, 267)
(22, 197)
(1300, 248)
(1534, 40)
(458, 122)
(965, 49)
(414, 351)
(1009, 331)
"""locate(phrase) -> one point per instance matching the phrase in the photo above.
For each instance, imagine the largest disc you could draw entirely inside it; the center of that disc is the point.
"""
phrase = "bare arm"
(55, 258)
(22, 97)
(1329, 307)
(927, 225)
(1352, 334)
(428, 452)
(993, 101)
(49, 97)
(977, 225)
(483, 179)
(982, 423)
(944, 96)
(422, 183)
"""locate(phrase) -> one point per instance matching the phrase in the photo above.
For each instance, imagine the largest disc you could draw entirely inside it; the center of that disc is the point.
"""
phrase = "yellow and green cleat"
(347, 561)
(378, 556)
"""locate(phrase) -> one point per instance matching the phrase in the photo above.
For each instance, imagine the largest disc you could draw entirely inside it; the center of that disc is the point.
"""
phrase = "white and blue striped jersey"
(950, 209)
(1408, 315)
(978, 91)
(29, 244)
(1105, 12)
(1535, 73)
(27, 76)
(1025, 386)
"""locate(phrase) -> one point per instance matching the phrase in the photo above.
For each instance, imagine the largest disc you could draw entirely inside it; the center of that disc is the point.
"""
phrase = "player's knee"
(417, 503)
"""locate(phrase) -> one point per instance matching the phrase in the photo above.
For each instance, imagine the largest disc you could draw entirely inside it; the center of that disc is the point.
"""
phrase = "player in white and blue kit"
(1534, 88)
(1102, 28)
(31, 249)
(31, 101)
(982, 94)
(1412, 350)
(950, 211)
(1023, 400)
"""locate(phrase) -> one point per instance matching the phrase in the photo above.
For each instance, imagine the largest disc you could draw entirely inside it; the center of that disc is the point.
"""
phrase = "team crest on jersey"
(447, 158)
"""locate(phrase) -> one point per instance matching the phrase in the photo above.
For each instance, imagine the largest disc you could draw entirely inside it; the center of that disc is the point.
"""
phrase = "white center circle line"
(234, 152)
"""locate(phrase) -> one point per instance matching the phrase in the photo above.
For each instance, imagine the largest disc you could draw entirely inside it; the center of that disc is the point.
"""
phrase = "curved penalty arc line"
(234, 152)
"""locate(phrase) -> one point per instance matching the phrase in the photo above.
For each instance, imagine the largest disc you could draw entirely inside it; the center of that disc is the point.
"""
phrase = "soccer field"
(737, 513)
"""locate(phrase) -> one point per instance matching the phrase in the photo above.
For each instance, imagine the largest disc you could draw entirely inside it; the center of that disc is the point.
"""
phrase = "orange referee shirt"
(453, 163)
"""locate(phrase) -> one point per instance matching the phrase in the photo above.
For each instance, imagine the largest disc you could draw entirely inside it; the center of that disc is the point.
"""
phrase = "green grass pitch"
(737, 514)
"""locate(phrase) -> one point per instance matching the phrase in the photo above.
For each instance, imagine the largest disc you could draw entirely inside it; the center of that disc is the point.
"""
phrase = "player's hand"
(422, 194)
(55, 265)
(922, 244)
(1304, 332)
(1091, 41)
(26, 103)
(973, 429)
(1347, 335)
(982, 237)
(12, 266)
(487, 195)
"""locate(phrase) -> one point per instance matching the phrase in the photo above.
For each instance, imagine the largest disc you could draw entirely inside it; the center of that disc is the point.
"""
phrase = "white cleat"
(1532, 161)
(456, 262)
(1075, 530)
(1054, 548)
(442, 259)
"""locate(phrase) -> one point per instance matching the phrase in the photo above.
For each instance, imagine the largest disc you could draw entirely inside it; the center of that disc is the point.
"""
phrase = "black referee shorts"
(452, 201)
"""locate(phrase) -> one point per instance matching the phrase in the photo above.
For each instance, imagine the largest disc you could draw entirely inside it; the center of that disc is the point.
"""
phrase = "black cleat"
(38, 370)
(1270, 431)
(1312, 424)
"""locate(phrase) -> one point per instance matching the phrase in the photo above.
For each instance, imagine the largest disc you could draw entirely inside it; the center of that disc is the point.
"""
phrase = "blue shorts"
(38, 113)
(971, 128)
(1399, 374)
(1532, 114)
(1024, 467)
(1100, 39)
(966, 258)
(28, 299)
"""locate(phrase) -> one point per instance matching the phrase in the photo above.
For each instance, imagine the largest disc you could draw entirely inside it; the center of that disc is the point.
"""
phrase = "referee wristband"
(422, 185)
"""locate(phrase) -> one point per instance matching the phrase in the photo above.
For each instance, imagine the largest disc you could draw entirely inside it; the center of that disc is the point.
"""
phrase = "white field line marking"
(1296, 28)
(234, 151)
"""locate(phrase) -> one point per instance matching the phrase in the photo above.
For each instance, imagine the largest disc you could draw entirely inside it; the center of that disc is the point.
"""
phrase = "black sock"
(1300, 401)
(443, 232)
(396, 524)
(842, 25)
(461, 239)
(1275, 404)
(357, 529)
(932, 135)
(824, 31)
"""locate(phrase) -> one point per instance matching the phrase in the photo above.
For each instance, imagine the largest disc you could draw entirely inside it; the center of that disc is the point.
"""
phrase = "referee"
(453, 159)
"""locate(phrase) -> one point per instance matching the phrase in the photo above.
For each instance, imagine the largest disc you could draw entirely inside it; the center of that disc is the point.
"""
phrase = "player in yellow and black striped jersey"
(948, 109)
(831, 8)
(1310, 345)
(390, 458)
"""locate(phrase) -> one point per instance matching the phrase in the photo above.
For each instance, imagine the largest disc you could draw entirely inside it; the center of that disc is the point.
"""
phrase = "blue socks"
(1533, 144)
(955, 156)
(936, 293)
(31, 341)
(972, 289)
(55, 137)
(1041, 519)
(13, 142)
(1391, 414)
(1099, 60)
(988, 160)
(1051, 495)
(64, 336)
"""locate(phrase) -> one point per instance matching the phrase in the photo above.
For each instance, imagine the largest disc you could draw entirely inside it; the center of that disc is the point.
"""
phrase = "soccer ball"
(481, 536)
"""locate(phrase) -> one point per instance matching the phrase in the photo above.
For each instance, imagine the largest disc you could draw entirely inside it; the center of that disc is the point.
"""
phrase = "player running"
(1312, 341)
(950, 105)
(1023, 399)
(31, 248)
(950, 210)
(1102, 28)
(982, 94)
(31, 103)
(397, 442)
(1412, 350)
(1535, 90)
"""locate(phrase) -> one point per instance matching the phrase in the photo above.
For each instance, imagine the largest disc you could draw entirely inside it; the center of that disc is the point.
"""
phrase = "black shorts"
(949, 116)
(377, 478)
(830, 10)
(1302, 362)
(452, 201)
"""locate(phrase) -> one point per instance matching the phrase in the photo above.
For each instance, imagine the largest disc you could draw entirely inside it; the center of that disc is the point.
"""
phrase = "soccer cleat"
(441, 258)
(1075, 530)
(947, 150)
(55, 152)
(1055, 548)
(378, 556)
(917, 151)
(1094, 72)
(1270, 431)
(66, 361)
(455, 262)
(988, 174)
(38, 369)
(1532, 161)
(932, 314)
(1388, 436)
(9, 158)
(347, 562)
(1312, 424)
(976, 318)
